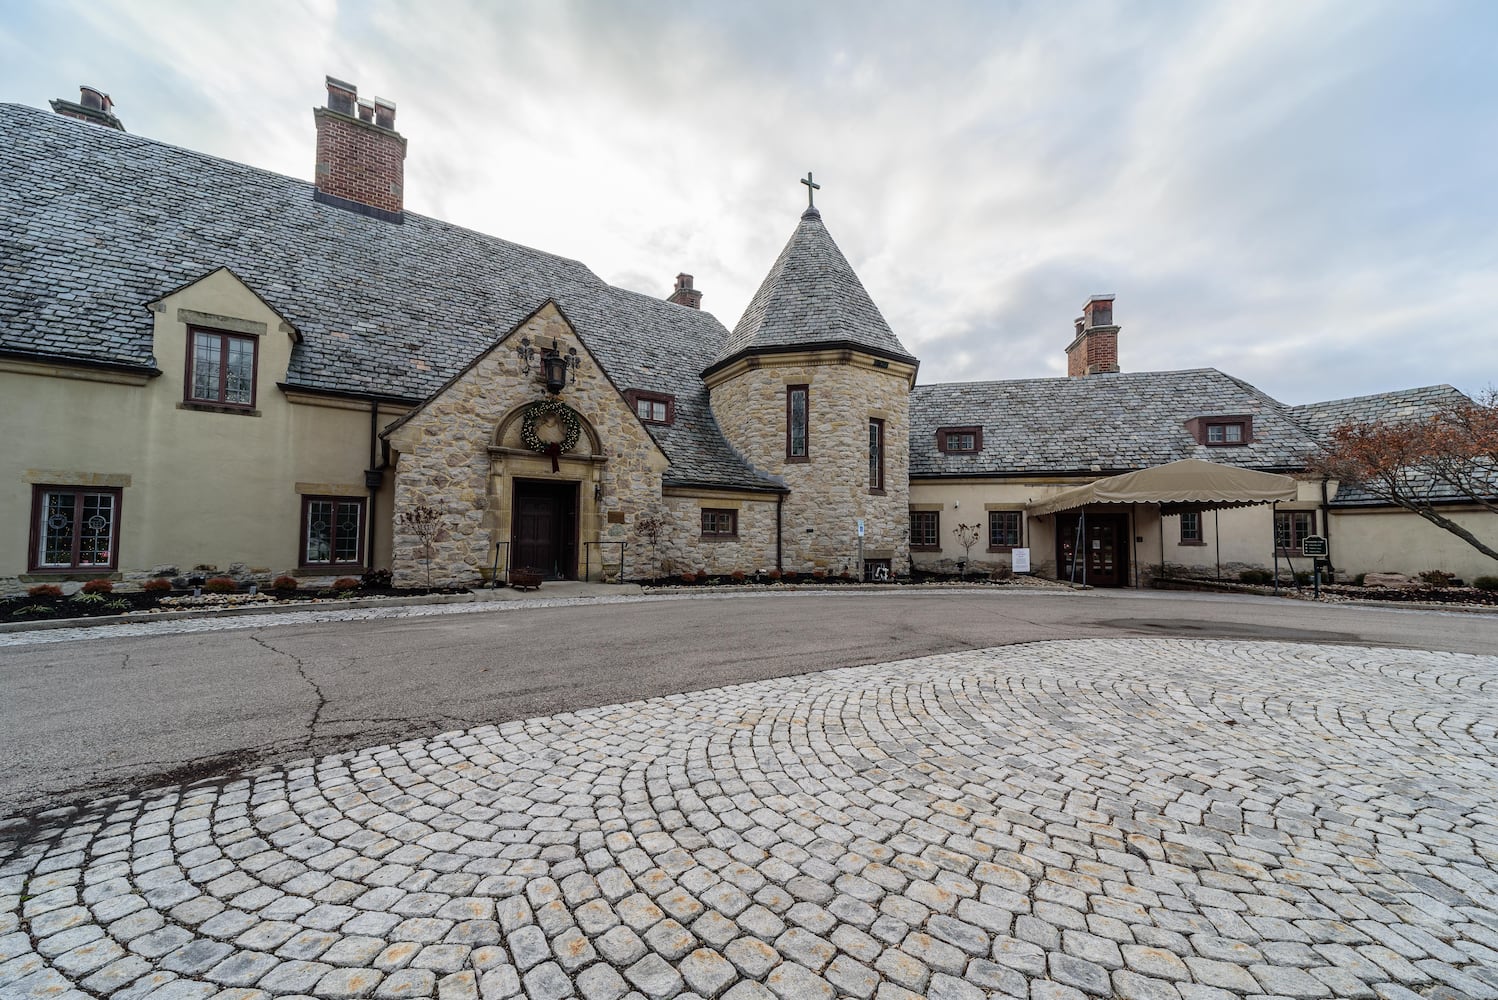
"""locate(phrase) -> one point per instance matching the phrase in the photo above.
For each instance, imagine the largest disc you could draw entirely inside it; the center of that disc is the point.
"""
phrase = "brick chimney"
(360, 156)
(685, 294)
(1095, 348)
(93, 105)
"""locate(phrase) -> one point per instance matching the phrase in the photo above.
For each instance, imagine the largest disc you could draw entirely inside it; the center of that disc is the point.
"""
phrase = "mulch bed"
(24, 608)
(1415, 595)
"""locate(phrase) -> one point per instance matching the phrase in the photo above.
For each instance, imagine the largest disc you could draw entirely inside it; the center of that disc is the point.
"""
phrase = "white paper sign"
(1019, 560)
(860, 527)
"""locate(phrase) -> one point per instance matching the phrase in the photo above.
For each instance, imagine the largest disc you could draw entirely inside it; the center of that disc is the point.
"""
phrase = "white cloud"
(1298, 193)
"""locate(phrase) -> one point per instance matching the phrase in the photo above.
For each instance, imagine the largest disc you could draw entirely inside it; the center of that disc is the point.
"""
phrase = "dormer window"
(653, 407)
(959, 440)
(1222, 432)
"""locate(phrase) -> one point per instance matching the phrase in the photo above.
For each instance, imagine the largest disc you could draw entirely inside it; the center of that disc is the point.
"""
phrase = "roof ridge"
(1441, 386)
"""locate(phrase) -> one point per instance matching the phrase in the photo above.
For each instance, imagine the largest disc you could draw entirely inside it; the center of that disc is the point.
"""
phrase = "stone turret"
(813, 387)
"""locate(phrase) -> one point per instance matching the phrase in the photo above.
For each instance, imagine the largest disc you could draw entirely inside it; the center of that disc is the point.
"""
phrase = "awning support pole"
(1217, 538)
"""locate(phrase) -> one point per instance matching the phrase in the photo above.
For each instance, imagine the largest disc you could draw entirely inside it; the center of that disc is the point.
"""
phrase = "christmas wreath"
(571, 428)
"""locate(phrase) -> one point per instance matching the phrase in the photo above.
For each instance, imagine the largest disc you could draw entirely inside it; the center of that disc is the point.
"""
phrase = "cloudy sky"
(1302, 194)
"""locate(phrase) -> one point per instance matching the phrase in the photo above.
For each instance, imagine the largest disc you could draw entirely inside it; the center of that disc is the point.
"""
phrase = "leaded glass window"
(795, 422)
(332, 532)
(222, 369)
(76, 528)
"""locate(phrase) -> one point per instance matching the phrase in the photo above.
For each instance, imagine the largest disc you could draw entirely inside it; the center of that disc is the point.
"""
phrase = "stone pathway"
(1146, 819)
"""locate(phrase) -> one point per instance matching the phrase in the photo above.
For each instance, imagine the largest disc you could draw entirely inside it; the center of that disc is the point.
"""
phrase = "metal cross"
(811, 188)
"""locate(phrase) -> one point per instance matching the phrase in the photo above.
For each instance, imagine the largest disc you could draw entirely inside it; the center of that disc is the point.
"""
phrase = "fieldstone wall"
(459, 455)
(683, 549)
(830, 492)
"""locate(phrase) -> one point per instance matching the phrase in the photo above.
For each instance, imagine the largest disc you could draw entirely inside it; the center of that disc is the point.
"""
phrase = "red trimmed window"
(653, 407)
(1291, 526)
(720, 523)
(925, 530)
(221, 368)
(959, 440)
(332, 531)
(74, 527)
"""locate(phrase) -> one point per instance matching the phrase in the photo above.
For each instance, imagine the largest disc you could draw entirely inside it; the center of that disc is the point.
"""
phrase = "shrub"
(819, 574)
(774, 575)
(738, 576)
(220, 585)
(83, 597)
(285, 584)
(346, 583)
(160, 585)
(1258, 576)
(377, 578)
(1486, 583)
(1303, 577)
(1437, 578)
(100, 586)
(44, 590)
(1357, 581)
(688, 577)
(789, 576)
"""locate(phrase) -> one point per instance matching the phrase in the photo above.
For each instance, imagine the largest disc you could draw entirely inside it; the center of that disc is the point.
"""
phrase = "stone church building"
(203, 364)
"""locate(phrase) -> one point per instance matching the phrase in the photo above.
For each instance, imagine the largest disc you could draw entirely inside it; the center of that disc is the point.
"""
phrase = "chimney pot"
(94, 100)
(341, 96)
(384, 113)
(366, 111)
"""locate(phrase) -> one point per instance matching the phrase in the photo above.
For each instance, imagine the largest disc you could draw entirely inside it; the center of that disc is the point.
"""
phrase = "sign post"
(861, 568)
(1315, 547)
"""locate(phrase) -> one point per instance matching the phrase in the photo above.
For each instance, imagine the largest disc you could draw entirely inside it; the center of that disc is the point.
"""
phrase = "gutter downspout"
(369, 478)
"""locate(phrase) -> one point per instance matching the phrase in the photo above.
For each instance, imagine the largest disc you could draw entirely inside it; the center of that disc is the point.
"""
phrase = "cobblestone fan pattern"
(1145, 819)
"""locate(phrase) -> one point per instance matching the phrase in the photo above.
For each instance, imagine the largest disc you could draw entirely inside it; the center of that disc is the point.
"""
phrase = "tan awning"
(1188, 484)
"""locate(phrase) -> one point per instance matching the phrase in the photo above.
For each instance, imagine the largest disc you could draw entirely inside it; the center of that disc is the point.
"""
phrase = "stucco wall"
(830, 492)
(199, 487)
(460, 454)
(1400, 542)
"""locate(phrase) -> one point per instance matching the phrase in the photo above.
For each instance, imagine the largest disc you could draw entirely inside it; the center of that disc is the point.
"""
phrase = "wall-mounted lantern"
(554, 364)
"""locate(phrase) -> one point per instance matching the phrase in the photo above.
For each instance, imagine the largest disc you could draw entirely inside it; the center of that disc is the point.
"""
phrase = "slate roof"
(1319, 419)
(811, 296)
(1112, 421)
(95, 223)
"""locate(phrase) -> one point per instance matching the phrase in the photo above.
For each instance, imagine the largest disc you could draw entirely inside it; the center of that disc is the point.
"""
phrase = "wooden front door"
(543, 534)
(1104, 560)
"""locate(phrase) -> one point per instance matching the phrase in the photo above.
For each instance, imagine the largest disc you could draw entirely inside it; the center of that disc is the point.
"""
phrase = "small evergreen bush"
(284, 584)
(1486, 583)
(100, 586)
(160, 585)
(1256, 576)
(221, 585)
(346, 583)
(44, 590)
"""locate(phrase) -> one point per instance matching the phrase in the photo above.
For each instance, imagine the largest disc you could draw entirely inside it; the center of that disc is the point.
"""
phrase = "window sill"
(1226, 444)
(1197, 542)
(797, 459)
(1003, 548)
(718, 538)
(328, 569)
(877, 493)
(70, 575)
(243, 411)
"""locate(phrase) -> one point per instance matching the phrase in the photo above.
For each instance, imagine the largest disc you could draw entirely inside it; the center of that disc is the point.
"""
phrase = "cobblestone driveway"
(1143, 819)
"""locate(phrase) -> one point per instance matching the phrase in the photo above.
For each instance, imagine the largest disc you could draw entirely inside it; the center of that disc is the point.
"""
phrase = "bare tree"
(650, 525)
(967, 537)
(1447, 456)
(423, 521)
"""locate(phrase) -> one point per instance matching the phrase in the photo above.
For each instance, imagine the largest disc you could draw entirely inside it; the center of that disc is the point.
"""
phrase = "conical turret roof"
(811, 298)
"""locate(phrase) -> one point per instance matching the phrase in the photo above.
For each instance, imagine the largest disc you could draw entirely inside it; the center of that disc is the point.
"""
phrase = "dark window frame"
(225, 337)
(1018, 533)
(877, 471)
(310, 498)
(1295, 538)
(790, 391)
(716, 535)
(935, 532)
(941, 440)
(1201, 429)
(634, 396)
(1199, 538)
(34, 563)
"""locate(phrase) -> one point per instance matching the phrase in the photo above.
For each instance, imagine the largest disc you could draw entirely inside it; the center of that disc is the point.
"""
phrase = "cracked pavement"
(1145, 818)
